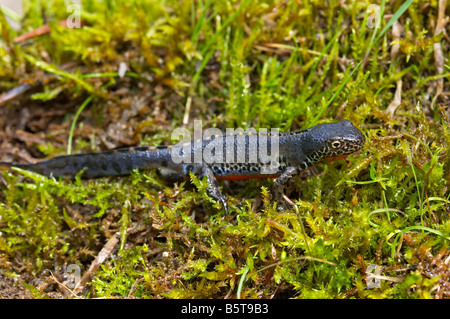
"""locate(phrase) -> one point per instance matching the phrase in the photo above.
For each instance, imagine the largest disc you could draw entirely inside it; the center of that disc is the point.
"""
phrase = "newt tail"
(236, 156)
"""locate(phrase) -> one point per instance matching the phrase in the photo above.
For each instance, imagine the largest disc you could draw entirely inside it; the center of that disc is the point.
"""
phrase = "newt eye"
(335, 144)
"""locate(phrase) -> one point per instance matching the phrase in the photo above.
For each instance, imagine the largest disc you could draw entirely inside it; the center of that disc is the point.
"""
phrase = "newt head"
(334, 141)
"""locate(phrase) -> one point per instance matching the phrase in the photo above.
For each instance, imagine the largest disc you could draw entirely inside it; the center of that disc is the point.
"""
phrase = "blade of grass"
(422, 228)
(417, 140)
(241, 282)
(394, 18)
(382, 210)
(199, 23)
(52, 69)
(74, 121)
(377, 26)
(417, 184)
(312, 72)
(367, 182)
(200, 69)
(225, 24)
(111, 74)
(325, 107)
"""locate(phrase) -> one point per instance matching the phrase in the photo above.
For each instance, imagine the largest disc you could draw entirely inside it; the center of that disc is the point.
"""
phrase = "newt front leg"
(280, 183)
(213, 186)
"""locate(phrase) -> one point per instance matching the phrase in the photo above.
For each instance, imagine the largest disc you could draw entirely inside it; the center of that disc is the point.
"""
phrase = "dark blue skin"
(297, 151)
(322, 141)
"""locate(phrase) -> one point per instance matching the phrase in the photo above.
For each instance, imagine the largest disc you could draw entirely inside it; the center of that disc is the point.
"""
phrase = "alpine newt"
(296, 151)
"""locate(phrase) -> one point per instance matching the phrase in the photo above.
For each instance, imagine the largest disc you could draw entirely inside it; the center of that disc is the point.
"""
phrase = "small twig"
(63, 285)
(101, 257)
(396, 33)
(381, 277)
(437, 47)
(290, 202)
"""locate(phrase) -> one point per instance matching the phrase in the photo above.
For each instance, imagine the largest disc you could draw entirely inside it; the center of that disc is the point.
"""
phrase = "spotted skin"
(296, 151)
